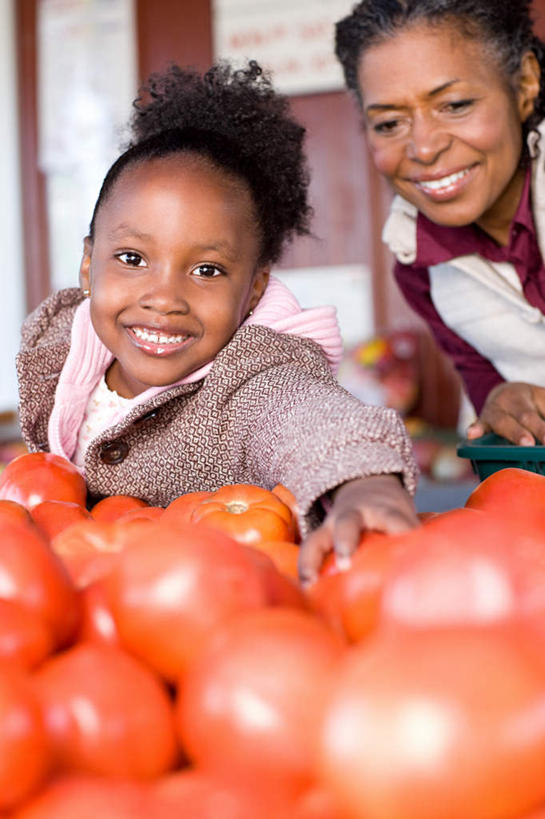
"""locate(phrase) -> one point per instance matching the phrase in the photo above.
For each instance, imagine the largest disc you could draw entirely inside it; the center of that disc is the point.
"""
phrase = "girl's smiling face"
(172, 269)
(444, 125)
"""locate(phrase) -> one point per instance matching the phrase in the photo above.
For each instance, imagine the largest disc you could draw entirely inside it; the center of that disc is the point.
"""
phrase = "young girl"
(453, 99)
(181, 365)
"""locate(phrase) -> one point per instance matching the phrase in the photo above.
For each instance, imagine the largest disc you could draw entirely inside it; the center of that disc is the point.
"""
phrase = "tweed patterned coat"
(268, 412)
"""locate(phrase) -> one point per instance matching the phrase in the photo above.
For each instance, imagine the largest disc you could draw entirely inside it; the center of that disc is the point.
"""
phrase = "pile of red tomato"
(165, 662)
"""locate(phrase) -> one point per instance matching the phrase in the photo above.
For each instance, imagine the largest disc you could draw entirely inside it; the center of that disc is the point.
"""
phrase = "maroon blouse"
(436, 244)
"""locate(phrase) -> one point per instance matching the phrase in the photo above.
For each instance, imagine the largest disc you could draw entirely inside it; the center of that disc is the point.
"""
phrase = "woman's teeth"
(444, 182)
(157, 338)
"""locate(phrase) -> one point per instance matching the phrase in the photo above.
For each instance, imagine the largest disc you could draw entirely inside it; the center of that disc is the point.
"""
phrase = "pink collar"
(88, 358)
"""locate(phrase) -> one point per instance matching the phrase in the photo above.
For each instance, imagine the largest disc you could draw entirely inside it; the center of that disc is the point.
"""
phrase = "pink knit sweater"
(89, 359)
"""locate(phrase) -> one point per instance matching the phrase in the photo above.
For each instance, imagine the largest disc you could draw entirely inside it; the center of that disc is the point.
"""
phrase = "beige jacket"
(268, 412)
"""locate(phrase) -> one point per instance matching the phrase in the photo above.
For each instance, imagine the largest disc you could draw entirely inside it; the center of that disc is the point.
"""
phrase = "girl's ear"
(85, 265)
(260, 282)
(529, 84)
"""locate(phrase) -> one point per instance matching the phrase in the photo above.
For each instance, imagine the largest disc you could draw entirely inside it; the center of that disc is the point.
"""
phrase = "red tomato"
(251, 703)
(89, 549)
(24, 749)
(88, 797)
(446, 722)
(458, 567)
(315, 803)
(280, 590)
(33, 576)
(350, 601)
(513, 494)
(201, 795)
(52, 516)
(287, 497)
(283, 553)
(474, 569)
(247, 513)
(38, 476)
(109, 509)
(174, 586)
(145, 513)
(97, 623)
(25, 639)
(11, 510)
(181, 509)
(106, 713)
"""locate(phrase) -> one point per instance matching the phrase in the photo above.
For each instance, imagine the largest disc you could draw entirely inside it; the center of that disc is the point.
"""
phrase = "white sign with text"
(295, 41)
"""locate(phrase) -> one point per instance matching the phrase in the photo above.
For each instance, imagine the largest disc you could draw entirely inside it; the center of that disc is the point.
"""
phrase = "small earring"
(250, 313)
(86, 293)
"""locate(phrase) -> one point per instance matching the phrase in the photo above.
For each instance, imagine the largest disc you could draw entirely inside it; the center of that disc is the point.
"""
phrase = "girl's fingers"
(347, 529)
(312, 553)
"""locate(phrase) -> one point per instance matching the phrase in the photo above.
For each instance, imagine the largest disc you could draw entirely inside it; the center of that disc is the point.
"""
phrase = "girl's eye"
(207, 271)
(129, 257)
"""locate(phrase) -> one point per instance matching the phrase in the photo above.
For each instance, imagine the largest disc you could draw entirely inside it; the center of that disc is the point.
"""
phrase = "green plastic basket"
(491, 453)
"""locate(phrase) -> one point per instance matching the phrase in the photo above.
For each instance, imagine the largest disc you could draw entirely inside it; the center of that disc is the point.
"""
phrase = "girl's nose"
(427, 141)
(166, 294)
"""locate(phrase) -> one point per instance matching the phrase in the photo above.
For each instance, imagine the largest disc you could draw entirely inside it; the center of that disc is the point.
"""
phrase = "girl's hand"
(515, 411)
(378, 502)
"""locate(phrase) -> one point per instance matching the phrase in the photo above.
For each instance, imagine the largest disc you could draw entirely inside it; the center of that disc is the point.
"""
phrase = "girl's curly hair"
(235, 119)
(503, 26)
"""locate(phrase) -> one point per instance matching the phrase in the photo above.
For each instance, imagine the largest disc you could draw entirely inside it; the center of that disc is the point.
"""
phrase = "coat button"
(114, 452)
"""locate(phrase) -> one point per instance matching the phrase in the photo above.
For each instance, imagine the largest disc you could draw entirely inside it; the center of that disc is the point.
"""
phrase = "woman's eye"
(458, 106)
(386, 127)
(207, 271)
(129, 257)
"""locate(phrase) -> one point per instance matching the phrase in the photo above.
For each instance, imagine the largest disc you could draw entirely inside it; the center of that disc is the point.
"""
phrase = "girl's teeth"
(156, 338)
(437, 184)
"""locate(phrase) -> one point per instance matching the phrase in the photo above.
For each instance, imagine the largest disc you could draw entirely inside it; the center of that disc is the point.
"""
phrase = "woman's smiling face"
(444, 125)
(172, 269)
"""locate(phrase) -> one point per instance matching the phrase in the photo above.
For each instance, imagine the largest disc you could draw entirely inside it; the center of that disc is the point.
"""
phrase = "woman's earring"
(86, 293)
(250, 313)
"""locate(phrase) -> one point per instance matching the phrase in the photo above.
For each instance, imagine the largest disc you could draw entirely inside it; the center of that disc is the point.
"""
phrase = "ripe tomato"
(175, 585)
(24, 749)
(350, 601)
(465, 570)
(33, 576)
(145, 513)
(247, 513)
(52, 516)
(25, 639)
(315, 803)
(445, 722)
(201, 795)
(250, 705)
(287, 497)
(513, 494)
(181, 509)
(97, 624)
(78, 796)
(106, 713)
(113, 507)
(89, 549)
(449, 570)
(11, 510)
(280, 590)
(283, 553)
(38, 476)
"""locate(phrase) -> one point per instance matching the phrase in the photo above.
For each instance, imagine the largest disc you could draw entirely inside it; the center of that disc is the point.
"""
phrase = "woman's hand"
(378, 502)
(515, 411)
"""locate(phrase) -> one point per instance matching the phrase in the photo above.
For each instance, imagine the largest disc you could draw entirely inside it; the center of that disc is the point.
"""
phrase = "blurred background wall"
(69, 70)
